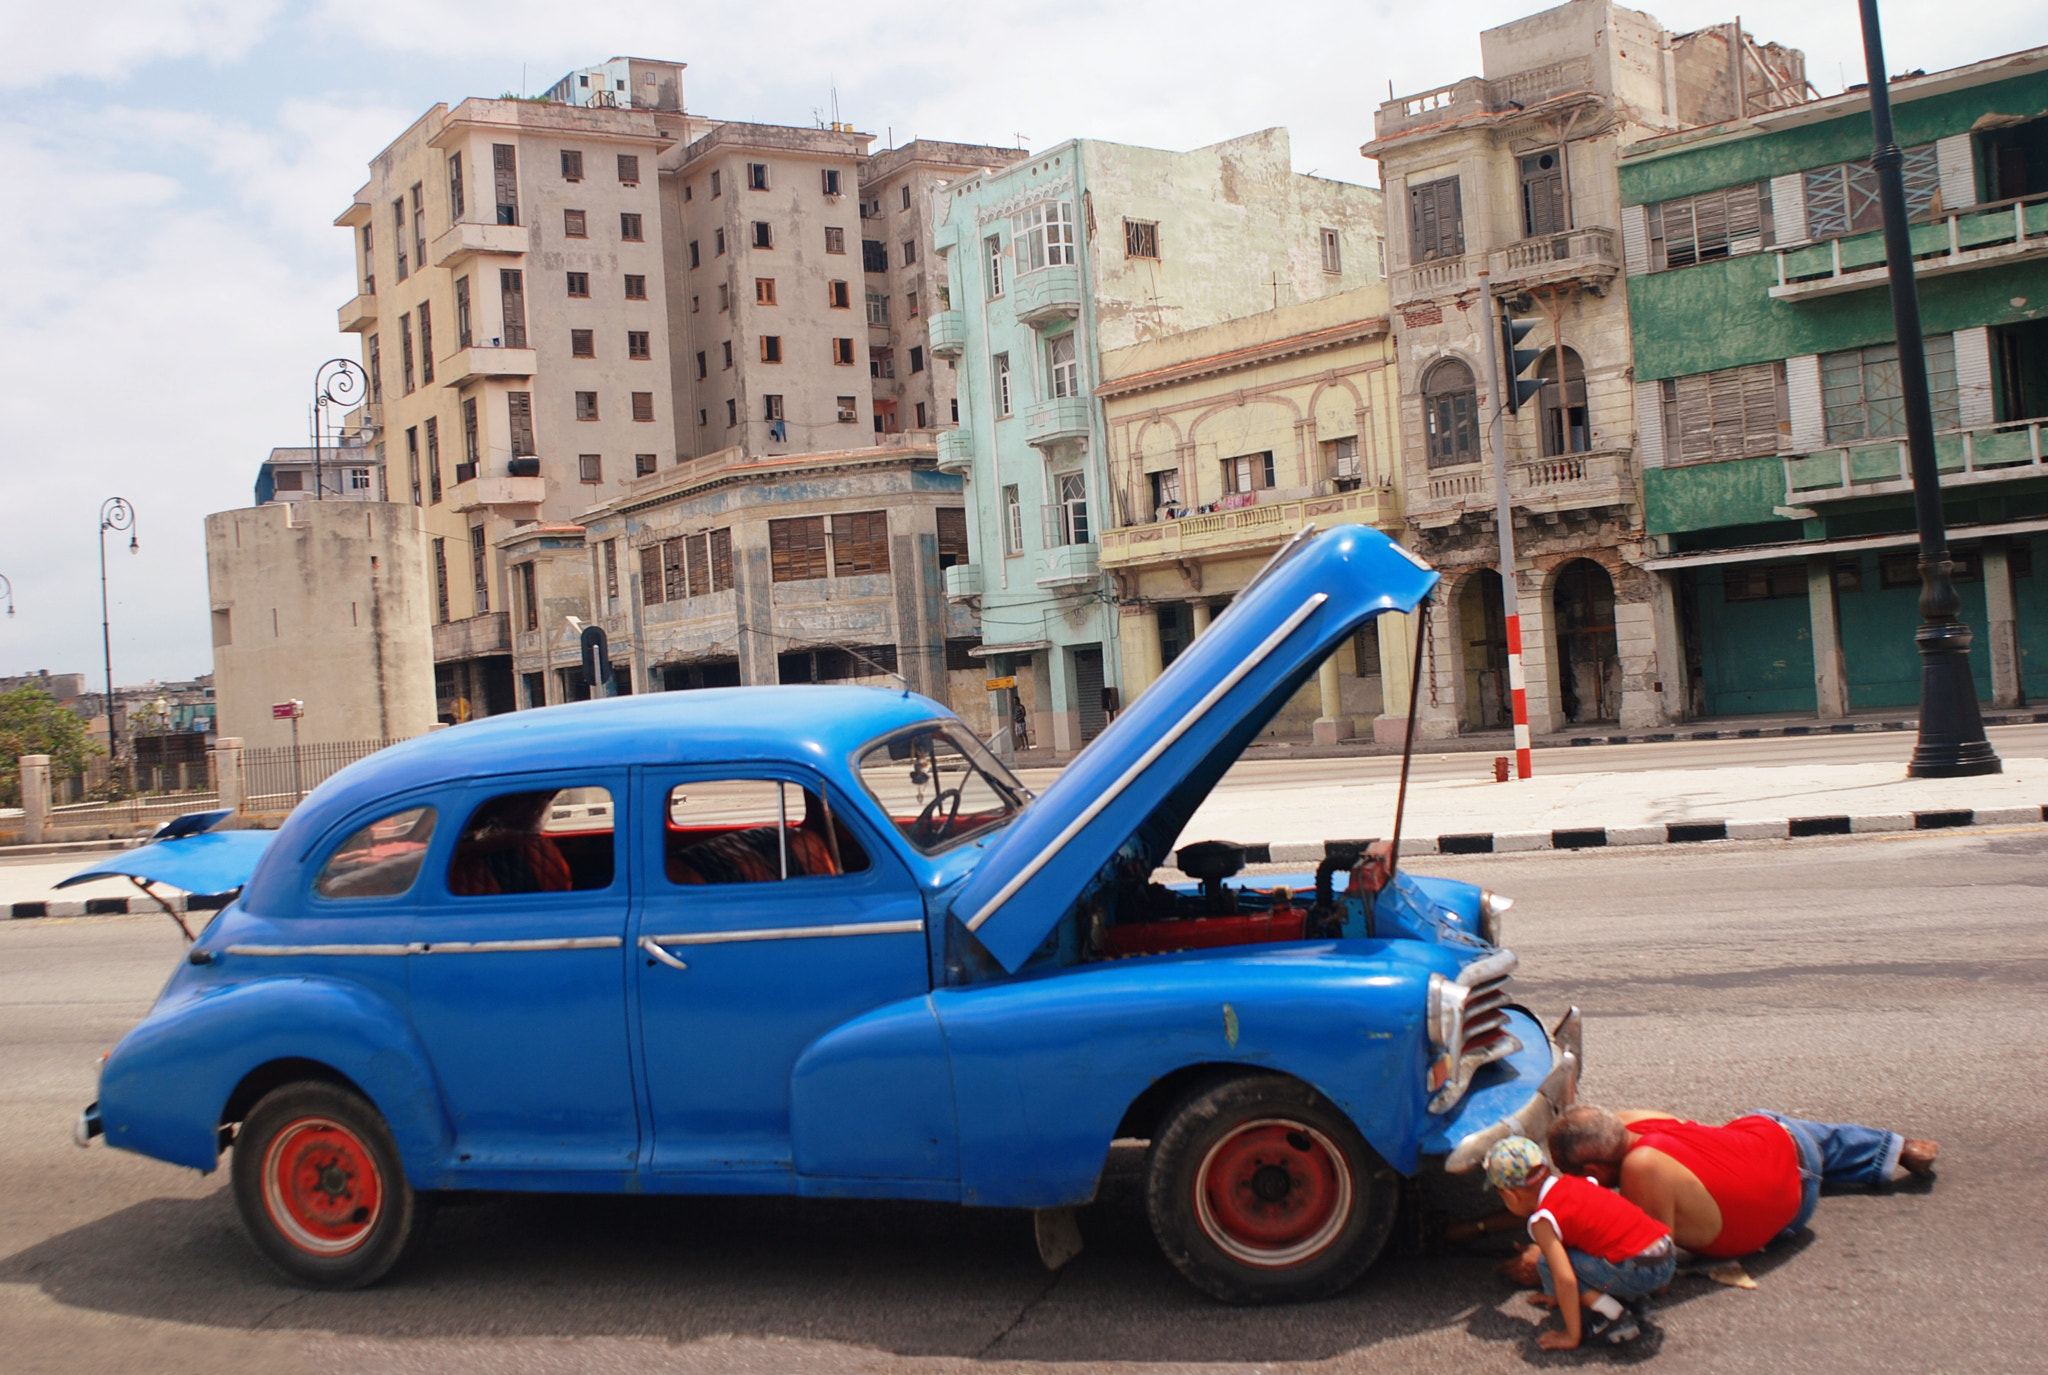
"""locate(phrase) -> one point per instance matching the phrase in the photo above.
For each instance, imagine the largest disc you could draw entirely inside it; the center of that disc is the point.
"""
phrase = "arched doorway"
(1566, 429)
(1588, 660)
(1482, 631)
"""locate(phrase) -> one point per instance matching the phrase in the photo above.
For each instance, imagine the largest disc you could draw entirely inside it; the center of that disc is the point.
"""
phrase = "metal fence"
(277, 778)
(134, 811)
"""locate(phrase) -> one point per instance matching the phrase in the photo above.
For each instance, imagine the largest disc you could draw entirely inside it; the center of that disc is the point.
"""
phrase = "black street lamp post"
(1952, 742)
(7, 591)
(115, 514)
(336, 382)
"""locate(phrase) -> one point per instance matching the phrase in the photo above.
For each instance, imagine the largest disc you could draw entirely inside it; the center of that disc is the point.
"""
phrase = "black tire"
(321, 1189)
(1260, 1191)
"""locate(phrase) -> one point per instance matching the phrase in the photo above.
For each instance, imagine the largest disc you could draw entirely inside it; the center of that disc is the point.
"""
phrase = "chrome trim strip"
(790, 933)
(1146, 760)
(439, 947)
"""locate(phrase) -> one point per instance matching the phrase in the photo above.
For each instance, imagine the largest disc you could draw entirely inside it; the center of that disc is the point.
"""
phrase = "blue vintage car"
(818, 941)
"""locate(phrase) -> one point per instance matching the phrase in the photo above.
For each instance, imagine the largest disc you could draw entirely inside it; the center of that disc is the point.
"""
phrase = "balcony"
(956, 451)
(1056, 421)
(485, 493)
(481, 363)
(461, 242)
(1476, 95)
(1046, 295)
(1567, 482)
(963, 580)
(473, 638)
(1590, 257)
(1247, 530)
(359, 315)
(1069, 565)
(1986, 236)
(1963, 458)
(947, 331)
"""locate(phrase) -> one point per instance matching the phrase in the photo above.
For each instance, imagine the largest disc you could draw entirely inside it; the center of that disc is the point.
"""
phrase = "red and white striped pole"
(1494, 407)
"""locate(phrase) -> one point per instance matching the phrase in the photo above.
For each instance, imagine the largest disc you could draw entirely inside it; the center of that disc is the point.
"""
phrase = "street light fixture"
(1952, 742)
(336, 382)
(7, 590)
(115, 514)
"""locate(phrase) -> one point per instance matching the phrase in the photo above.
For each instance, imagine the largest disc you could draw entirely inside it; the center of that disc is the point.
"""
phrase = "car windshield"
(940, 785)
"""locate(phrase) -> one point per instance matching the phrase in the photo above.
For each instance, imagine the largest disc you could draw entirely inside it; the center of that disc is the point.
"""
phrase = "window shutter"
(1635, 239)
(674, 581)
(699, 564)
(650, 575)
(1761, 390)
(721, 560)
(1788, 208)
(1650, 423)
(1802, 390)
(1973, 376)
(1958, 172)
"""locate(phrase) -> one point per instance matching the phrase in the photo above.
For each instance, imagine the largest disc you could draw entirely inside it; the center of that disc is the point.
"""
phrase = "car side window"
(381, 860)
(752, 830)
(550, 840)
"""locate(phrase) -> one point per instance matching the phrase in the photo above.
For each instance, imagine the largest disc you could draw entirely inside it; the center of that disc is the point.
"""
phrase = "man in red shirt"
(1729, 1190)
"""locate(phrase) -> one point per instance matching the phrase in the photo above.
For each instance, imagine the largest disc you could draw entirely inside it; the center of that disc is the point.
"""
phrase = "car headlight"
(1492, 907)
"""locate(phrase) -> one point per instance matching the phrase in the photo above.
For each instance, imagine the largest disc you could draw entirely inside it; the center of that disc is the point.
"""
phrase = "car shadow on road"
(915, 1280)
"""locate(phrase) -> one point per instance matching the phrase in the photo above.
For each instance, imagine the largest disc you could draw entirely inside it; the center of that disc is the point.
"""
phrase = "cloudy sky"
(175, 167)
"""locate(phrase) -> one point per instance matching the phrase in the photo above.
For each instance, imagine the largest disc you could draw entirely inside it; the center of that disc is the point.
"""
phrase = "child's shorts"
(1633, 1278)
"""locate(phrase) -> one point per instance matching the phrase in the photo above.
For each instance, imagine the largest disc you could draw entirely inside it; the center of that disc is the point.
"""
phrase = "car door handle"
(649, 944)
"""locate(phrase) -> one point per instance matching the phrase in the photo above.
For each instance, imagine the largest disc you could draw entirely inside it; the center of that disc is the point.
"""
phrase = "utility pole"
(1493, 404)
(1952, 743)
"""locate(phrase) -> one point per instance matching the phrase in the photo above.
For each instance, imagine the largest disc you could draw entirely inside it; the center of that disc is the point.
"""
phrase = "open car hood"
(209, 862)
(1143, 777)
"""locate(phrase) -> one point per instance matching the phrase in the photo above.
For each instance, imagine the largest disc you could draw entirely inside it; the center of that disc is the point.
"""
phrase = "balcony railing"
(1591, 256)
(1246, 529)
(460, 242)
(1477, 95)
(1047, 294)
(1052, 422)
(956, 451)
(1984, 236)
(1069, 565)
(1563, 482)
(1962, 458)
(947, 331)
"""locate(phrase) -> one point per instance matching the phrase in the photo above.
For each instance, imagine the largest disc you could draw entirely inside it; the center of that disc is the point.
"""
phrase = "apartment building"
(1776, 486)
(514, 320)
(1226, 440)
(1083, 248)
(905, 282)
(348, 471)
(1512, 173)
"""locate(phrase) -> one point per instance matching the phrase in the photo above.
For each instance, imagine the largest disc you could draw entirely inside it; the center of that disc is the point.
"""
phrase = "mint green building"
(1770, 424)
(1050, 262)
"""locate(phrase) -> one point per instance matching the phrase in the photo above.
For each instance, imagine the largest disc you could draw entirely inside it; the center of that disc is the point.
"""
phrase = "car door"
(766, 915)
(519, 977)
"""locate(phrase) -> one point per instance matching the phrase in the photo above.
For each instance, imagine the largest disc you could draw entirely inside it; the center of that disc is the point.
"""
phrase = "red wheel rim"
(321, 1187)
(1273, 1193)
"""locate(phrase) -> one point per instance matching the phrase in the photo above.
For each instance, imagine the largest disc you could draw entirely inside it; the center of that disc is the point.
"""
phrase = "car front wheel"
(320, 1187)
(1260, 1191)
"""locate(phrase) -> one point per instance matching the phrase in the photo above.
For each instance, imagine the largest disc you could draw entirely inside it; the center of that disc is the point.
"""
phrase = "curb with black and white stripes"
(1663, 737)
(117, 907)
(1677, 833)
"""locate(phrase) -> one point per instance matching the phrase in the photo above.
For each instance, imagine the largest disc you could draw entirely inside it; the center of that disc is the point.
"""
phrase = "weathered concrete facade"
(327, 602)
(1083, 248)
(1512, 174)
(1224, 441)
(1776, 488)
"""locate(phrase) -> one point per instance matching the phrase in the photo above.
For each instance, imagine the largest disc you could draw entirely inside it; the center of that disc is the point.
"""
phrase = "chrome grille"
(1468, 1026)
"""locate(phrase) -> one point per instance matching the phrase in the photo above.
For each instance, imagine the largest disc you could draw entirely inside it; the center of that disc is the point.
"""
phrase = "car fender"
(873, 1099)
(1045, 1068)
(164, 1087)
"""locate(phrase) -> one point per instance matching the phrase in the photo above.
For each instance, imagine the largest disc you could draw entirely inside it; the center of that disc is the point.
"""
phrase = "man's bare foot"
(1917, 1158)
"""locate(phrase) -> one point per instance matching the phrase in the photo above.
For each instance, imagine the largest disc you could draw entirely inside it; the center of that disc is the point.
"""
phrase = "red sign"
(286, 711)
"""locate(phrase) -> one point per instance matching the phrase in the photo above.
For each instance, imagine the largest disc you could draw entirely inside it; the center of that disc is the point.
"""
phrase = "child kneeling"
(1599, 1249)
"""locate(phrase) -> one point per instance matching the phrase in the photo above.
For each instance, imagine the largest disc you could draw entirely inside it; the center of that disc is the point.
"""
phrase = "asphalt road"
(1894, 979)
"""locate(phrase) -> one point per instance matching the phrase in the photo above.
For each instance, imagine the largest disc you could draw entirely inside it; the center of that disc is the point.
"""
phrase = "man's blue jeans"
(1836, 1153)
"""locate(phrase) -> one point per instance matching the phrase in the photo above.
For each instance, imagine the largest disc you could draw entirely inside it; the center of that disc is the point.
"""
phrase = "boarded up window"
(699, 559)
(1843, 199)
(1732, 413)
(952, 535)
(643, 406)
(519, 409)
(629, 167)
(860, 543)
(1713, 224)
(721, 560)
(1436, 220)
(674, 580)
(796, 549)
(650, 575)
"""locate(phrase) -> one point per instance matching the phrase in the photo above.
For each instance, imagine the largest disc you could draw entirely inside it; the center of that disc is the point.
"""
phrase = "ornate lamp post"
(336, 382)
(7, 590)
(1952, 742)
(115, 514)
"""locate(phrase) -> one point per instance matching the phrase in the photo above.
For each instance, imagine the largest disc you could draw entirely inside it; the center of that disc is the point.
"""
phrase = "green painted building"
(1769, 417)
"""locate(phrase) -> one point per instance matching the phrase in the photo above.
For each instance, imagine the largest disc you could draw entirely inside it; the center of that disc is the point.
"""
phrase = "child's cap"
(1513, 1162)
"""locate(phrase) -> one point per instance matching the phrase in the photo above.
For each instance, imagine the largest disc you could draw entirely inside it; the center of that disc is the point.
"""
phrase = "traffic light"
(1514, 362)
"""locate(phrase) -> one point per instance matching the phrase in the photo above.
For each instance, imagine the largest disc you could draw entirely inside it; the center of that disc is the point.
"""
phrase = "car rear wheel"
(1260, 1191)
(320, 1187)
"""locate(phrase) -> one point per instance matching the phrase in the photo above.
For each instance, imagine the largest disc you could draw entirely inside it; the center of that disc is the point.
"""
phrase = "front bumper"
(87, 1127)
(1521, 1096)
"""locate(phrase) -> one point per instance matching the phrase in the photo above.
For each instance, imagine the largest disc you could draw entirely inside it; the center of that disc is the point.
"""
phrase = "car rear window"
(381, 860)
(550, 840)
(940, 785)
